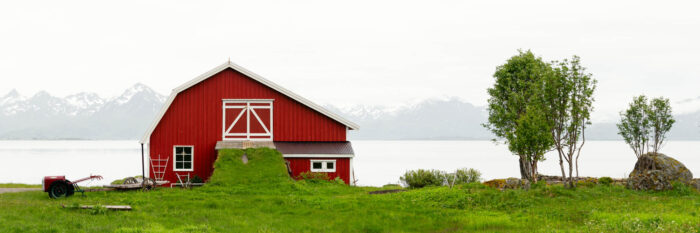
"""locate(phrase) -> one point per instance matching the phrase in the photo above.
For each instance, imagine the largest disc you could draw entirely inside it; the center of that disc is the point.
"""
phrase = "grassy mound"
(264, 172)
(265, 166)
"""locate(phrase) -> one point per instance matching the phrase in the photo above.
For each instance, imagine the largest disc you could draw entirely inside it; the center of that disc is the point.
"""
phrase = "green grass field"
(13, 185)
(260, 197)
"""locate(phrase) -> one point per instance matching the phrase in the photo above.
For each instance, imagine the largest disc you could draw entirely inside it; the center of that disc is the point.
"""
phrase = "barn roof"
(253, 76)
(302, 149)
(297, 149)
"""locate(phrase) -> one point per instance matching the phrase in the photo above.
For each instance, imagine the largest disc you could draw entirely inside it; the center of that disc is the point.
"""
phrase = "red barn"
(231, 107)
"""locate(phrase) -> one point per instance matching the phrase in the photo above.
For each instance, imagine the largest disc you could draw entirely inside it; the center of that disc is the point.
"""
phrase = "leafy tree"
(645, 122)
(661, 120)
(517, 90)
(532, 138)
(634, 125)
(568, 97)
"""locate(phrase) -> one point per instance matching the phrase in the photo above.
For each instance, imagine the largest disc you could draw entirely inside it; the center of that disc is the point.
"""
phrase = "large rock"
(509, 183)
(658, 172)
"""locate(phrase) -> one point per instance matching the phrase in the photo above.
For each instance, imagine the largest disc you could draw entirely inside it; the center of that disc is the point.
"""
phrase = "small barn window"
(322, 165)
(183, 158)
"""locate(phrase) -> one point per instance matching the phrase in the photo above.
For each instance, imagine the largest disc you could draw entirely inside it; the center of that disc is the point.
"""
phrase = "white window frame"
(324, 166)
(247, 110)
(175, 158)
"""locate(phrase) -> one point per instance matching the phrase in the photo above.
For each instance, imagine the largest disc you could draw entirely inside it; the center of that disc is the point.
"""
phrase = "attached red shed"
(230, 105)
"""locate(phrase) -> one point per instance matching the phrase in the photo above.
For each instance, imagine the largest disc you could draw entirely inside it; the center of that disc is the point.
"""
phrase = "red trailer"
(231, 107)
(59, 186)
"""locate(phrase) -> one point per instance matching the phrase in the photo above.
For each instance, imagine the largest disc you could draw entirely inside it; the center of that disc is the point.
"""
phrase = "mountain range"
(453, 119)
(89, 116)
(78, 116)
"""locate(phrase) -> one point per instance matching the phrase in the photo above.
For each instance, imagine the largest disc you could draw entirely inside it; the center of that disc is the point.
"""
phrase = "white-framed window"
(322, 165)
(247, 119)
(183, 158)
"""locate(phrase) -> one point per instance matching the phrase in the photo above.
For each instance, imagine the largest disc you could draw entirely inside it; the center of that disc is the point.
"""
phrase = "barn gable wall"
(195, 118)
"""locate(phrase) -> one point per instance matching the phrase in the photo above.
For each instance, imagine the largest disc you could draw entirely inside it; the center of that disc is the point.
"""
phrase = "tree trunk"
(534, 171)
(571, 178)
(583, 142)
(525, 169)
(561, 164)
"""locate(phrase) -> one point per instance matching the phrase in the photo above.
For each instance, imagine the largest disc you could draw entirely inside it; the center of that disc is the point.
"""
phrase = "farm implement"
(59, 186)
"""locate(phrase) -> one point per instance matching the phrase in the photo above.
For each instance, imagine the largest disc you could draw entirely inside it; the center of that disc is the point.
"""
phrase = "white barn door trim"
(246, 114)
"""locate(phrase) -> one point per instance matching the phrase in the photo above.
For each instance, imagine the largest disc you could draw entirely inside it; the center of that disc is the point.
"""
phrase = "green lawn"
(259, 197)
(13, 185)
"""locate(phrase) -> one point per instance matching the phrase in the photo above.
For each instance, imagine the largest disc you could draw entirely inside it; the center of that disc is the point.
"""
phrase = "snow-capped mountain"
(431, 119)
(89, 116)
(83, 115)
(456, 119)
(12, 103)
(84, 103)
(78, 104)
(138, 91)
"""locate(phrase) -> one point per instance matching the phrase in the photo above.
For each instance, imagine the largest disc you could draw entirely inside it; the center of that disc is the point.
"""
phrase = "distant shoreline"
(408, 139)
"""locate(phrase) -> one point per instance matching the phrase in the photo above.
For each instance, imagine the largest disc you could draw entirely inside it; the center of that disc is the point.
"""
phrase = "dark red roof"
(286, 148)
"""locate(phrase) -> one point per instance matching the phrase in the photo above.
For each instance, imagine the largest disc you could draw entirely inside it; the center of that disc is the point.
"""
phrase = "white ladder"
(159, 166)
(184, 183)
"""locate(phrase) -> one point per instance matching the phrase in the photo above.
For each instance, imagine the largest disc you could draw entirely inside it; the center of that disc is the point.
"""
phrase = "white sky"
(351, 52)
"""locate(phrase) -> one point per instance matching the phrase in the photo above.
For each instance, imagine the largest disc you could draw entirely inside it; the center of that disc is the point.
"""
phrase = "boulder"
(509, 183)
(496, 183)
(696, 184)
(515, 183)
(658, 172)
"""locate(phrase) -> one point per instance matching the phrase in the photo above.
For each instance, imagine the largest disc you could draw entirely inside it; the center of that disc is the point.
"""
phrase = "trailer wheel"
(130, 180)
(58, 189)
(71, 188)
(149, 184)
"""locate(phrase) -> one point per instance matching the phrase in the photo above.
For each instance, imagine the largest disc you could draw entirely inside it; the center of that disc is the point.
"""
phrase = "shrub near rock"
(467, 175)
(422, 178)
(656, 171)
(605, 180)
(313, 176)
(587, 182)
(463, 176)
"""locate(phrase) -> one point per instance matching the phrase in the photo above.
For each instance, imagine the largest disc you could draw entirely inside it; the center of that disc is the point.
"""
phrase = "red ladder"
(159, 166)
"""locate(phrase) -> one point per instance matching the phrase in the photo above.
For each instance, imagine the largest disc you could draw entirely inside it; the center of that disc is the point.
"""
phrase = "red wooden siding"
(195, 118)
(342, 169)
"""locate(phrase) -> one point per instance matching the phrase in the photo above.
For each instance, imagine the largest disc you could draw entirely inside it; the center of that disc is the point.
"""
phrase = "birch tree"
(634, 125)
(568, 97)
(646, 122)
(661, 120)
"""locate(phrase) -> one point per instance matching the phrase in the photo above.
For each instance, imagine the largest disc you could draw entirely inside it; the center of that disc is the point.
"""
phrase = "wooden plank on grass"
(110, 207)
(388, 191)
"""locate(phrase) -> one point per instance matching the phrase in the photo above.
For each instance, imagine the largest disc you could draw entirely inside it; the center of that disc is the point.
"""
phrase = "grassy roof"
(265, 170)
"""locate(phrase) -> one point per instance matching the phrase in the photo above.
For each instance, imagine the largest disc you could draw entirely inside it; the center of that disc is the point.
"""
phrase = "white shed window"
(184, 157)
(322, 165)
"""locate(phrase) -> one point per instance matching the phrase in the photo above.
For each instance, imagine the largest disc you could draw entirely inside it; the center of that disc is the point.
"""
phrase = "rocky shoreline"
(515, 183)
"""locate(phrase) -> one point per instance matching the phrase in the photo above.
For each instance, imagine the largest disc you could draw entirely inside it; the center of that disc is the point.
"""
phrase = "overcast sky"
(351, 52)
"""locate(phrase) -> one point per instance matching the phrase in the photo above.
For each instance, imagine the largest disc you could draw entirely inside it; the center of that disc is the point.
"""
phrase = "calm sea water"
(376, 162)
